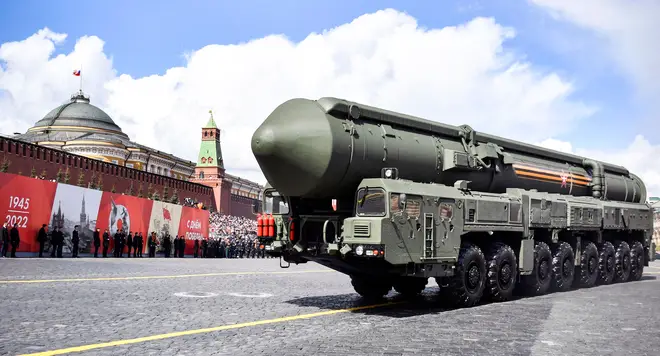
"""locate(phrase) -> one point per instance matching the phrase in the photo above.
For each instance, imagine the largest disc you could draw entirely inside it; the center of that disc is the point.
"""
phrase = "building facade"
(81, 128)
(233, 195)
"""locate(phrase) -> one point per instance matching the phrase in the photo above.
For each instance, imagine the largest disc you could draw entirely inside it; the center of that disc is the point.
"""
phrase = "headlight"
(359, 250)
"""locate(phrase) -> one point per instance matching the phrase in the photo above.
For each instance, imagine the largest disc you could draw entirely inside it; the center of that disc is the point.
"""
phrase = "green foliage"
(81, 179)
(4, 166)
(59, 176)
(165, 193)
(113, 190)
(43, 173)
(175, 197)
(33, 172)
(99, 182)
(155, 196)
(67, 176)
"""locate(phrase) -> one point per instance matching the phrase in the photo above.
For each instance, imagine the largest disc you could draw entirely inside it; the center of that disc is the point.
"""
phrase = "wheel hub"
(505, 274)
(474, 276)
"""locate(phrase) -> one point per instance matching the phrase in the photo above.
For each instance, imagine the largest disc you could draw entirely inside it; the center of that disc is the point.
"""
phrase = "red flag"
(166, 214)
(76, 72)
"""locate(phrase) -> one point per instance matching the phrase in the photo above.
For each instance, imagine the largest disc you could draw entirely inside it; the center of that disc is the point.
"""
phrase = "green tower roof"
(211, 124)
(210, 152)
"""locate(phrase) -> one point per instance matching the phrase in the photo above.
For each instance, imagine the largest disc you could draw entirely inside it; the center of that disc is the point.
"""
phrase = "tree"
(43, 173)
(140, 191)
(155, 196)
(99, 182)
(92, 181)
(166, 191)
(175, 197)
(4, 166)
(67, 176)
(130, 191)
(59, 175)
(113, 189)
(81, 179)
(150, 189)
(33, 172)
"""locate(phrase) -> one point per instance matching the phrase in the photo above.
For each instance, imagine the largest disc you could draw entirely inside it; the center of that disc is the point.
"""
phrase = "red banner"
(26, 202)
(194, 224)
(30, 203)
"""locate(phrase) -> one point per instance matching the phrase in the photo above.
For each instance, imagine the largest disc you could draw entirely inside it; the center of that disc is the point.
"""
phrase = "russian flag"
(76, 72)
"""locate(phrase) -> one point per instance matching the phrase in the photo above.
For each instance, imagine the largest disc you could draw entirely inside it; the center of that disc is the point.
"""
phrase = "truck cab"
(272, 204)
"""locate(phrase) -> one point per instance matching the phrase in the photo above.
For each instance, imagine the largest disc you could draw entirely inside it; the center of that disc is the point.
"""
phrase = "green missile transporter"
(392, 200)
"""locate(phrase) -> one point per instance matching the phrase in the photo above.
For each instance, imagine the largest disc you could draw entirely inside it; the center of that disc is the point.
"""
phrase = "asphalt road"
(234, 307)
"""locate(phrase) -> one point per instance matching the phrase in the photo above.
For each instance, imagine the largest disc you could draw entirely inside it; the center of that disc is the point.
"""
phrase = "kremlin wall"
(78, 144)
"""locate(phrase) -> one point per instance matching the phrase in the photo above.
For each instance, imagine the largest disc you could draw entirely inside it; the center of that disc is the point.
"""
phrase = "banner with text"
(28, 203)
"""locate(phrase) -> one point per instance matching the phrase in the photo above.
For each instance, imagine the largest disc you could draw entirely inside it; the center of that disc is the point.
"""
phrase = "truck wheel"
(539, 282)
(588, 266)
(370, 287)
(563, 267)
(502, 271)
(467, 285)
(636, 261)
(410, 286)
(621, 262)
(606, 265)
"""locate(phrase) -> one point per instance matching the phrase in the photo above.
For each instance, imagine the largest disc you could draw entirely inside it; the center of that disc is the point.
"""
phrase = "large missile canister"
(324, 148)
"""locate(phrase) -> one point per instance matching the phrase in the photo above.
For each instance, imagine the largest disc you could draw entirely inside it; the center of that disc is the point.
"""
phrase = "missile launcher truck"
(392, 200)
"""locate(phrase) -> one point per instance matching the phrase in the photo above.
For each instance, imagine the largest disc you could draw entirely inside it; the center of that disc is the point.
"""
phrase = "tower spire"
(210, 151)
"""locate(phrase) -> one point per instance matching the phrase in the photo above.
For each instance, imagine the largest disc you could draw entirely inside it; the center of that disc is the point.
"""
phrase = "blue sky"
(147, 37)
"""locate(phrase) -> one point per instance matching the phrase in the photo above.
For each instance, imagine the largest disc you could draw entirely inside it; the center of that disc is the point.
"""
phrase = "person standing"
(129, 244)
(196, 248)
(5, 239)
(42, 236)
(14, 240)
(106, 242)
(97, 242)
(75, 241)
(176, 246)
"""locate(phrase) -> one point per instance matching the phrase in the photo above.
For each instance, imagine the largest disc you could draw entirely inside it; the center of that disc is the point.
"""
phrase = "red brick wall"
(23, 157)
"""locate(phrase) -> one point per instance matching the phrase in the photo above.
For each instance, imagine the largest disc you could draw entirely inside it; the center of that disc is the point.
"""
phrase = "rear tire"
(540, 281)
(467, 285)
(606, 263)
(621, 262)
(588, 266)
(563, 267)
(636, 261)
(370, 287)
(502, 272)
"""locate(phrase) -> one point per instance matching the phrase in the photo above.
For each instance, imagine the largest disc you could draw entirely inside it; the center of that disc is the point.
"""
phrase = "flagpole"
(80, 79)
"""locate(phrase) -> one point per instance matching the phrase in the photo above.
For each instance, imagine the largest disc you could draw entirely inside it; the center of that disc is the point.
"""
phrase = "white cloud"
(630, 29)
(457, 75)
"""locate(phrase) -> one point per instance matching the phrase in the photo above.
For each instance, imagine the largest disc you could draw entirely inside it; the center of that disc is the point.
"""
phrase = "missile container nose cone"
(294, 148)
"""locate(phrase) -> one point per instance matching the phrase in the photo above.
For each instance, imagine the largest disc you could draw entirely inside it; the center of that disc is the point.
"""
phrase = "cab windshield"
(274, 203)
(371, 202)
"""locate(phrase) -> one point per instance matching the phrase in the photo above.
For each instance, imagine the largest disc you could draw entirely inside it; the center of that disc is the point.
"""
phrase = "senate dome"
(79, 127)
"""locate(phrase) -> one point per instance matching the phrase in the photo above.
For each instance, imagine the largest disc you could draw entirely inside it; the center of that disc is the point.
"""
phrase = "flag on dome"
(76, 72)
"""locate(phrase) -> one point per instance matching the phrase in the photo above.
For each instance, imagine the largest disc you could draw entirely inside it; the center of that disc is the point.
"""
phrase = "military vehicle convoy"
(392, 200)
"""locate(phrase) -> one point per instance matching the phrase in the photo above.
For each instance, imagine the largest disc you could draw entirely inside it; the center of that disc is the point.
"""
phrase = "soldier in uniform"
(129, 243)
(56, 242)
(140, 244)
(14, 239)
(117, 239)
(196, 248)
(106, 242)
(205, 244)
(167, 245)
(42, 236)
(176, 246)
(182, 246)
(5, 239)
(150, 243)
(97, 242)
(75, 240)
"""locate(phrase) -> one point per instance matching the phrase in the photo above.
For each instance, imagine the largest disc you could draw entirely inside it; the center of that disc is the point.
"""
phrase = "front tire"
(370, 287)
(410, 286)
(563, 267)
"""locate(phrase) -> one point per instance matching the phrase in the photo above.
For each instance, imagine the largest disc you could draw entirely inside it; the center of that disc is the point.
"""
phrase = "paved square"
(253, 307)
